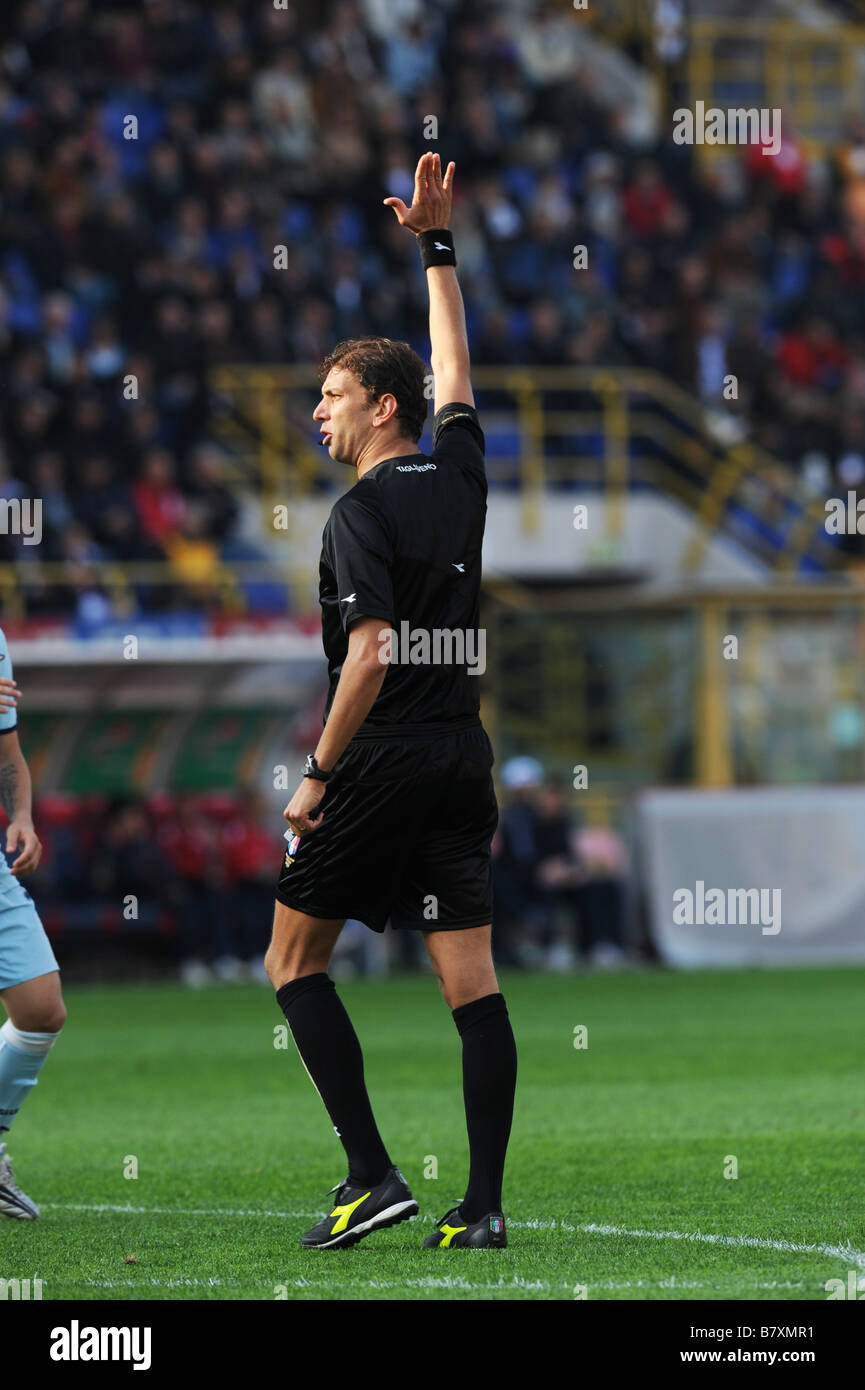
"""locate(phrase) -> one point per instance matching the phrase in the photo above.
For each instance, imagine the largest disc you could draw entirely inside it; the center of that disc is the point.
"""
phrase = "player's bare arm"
(359, 683)
(16, 801)
(449, 350)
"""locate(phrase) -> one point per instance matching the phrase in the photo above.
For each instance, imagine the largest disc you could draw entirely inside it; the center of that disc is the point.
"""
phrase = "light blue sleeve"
(8, 717)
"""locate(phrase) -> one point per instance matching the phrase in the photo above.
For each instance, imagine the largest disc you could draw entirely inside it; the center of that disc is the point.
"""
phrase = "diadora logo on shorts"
(414, 467)
(293, 846)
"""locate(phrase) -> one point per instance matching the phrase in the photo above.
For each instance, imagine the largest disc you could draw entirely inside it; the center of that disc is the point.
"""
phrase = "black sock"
(328, 1045)
(489, 1082)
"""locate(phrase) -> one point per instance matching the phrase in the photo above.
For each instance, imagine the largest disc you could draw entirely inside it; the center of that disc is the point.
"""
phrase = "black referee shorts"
(406, 835)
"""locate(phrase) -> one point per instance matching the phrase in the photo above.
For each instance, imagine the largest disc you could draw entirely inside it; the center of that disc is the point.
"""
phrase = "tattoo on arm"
(9, 788)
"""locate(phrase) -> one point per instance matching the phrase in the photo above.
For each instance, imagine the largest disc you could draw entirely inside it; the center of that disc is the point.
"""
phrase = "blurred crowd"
(199, 870)
(560, 888)
(155, 154)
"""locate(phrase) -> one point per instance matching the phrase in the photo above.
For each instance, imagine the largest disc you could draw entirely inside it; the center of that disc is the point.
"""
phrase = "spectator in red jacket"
(812, 356)
(252, 845)
(647, 202)
(193, 845)
(158, 501)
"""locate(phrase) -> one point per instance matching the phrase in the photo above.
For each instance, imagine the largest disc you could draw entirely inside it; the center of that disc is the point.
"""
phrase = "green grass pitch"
(615, 1179)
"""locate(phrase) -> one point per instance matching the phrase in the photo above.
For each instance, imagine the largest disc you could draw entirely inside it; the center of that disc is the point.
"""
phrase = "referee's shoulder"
(367, 498)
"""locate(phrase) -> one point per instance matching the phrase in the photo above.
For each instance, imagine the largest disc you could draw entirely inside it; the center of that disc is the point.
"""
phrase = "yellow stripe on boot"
(345, 1212)
(449, 1232)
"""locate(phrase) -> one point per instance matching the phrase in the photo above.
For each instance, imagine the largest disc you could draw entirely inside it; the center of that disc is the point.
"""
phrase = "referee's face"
(343, 415)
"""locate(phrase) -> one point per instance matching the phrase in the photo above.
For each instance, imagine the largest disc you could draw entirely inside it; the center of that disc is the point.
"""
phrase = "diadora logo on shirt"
(414, 467)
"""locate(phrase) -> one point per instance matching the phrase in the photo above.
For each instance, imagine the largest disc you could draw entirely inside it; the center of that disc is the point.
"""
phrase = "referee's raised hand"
(431, 205)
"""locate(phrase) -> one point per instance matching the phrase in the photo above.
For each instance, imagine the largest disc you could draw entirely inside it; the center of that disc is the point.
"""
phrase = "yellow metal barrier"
(648, 689)
(119, 582)
(616, 435)
(602, 428)
(264, 418)
(616, 20)
(810, 74)
(530, 417)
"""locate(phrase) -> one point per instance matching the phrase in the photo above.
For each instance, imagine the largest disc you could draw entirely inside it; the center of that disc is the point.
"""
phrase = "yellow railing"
(720, 688)
(264, 418)
(616, 20)
(810, 74)
(120, 581)
(601, 427)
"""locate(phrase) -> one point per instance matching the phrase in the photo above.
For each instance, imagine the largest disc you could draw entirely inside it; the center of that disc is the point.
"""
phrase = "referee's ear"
(391, 406)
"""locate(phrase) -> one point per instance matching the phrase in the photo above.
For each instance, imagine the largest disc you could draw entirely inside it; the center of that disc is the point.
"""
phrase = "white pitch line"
(455, 1282)
(845, 1252)
(176, 1211)
(430, 1282)
(151, 1284)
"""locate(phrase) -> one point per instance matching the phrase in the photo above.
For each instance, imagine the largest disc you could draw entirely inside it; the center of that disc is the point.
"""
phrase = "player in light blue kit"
(29, 974)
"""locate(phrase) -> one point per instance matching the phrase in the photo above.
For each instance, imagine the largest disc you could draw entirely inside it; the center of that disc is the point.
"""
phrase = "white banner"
(755, 876)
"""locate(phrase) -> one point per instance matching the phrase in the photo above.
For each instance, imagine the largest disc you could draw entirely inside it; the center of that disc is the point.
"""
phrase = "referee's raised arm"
(428, 218)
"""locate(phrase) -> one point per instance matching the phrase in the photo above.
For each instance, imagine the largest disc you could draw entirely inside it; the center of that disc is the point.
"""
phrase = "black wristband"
(311, 769)
(436, 248)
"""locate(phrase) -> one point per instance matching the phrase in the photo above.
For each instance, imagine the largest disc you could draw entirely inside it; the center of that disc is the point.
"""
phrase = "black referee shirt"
(404, 545)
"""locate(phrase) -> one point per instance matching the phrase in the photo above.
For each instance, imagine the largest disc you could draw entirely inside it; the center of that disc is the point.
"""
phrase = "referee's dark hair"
(382, 366)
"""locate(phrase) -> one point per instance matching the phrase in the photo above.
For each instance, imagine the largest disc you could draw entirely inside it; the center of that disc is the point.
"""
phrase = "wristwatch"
(312, 769)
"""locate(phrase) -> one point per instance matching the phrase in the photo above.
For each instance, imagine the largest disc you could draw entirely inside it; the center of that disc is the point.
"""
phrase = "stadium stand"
(153, 257)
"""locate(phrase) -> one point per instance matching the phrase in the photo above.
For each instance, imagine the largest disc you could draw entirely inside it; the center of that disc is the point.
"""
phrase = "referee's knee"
(284, 966)
(444, 989)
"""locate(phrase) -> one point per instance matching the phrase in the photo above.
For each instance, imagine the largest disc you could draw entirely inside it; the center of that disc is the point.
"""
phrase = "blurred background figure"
(517, 913)
(560, 889)
(127, 863)
(602, 895)
(194, 845)
(251, 845)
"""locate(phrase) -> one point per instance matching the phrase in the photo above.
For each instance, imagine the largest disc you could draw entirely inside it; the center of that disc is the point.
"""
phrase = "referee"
(395, 812)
